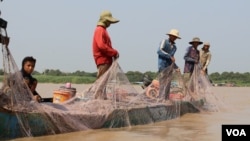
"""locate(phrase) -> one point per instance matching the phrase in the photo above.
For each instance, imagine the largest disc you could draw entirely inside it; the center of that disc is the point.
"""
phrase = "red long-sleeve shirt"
(102, 47)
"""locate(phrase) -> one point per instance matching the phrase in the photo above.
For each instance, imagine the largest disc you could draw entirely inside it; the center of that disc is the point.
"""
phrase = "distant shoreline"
(46, 89)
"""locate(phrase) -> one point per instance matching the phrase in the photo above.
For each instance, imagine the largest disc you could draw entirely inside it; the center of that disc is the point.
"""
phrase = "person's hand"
(196, 61)
(204, 69)
(203, 72)
(117, 56)
(178, 70)
(173, 59)
(37, 98)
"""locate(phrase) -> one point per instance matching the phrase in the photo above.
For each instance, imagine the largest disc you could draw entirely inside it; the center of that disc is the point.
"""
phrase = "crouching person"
(12, 84)
(28, 65)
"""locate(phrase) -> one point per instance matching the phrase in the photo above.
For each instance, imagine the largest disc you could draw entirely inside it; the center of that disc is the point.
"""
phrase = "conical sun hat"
(174, 32)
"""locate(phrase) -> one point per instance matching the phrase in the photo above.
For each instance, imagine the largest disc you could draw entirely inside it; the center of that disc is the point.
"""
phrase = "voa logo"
(236, 132)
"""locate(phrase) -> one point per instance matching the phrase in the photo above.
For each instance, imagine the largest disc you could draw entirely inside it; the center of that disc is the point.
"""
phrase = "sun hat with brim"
(206, 44)
(174, 32)
(107, 16)
(197, 40)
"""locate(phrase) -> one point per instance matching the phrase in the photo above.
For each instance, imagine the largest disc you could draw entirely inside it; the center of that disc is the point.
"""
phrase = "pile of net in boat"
(112, 101)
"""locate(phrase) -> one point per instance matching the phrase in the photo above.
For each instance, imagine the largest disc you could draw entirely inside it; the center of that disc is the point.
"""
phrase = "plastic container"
(63, 94)
(60, 96)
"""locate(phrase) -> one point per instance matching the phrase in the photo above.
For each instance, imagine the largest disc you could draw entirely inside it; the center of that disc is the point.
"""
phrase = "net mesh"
(110, 102)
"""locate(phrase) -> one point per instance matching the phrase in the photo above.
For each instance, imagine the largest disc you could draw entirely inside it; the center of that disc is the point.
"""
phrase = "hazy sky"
(58, 33)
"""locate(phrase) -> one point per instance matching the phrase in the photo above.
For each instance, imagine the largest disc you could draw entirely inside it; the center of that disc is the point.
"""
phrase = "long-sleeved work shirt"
(191, 57)
(205, 58)
(165, 52)
(102, 47)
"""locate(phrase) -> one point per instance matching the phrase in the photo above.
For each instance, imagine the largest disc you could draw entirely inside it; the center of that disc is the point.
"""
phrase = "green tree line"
(81, 77)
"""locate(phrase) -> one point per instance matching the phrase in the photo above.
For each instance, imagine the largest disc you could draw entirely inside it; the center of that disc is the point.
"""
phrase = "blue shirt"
(165, 52)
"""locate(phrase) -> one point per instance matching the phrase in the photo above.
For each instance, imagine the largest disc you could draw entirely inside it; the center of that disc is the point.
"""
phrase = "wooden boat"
(150, 115)
(132, 109)
(117, 103)
(15, 123)
(38, 125)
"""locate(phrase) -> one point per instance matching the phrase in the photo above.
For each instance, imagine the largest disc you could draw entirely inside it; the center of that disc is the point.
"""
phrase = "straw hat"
(206, 44)
(106, 16)
(196, 39)
(174, 32)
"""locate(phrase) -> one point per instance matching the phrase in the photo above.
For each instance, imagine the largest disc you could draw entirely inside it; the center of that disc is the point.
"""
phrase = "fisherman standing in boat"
(167, 50)
(103, 52)
(166, 57)
(205, 57)
(191, 57)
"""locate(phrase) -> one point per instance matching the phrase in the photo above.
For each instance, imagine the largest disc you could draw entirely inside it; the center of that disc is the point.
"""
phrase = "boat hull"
(38, 124)
(140, 116)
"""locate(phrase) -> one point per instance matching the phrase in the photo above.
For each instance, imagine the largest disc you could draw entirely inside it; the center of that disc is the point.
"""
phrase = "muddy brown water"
(189, 127)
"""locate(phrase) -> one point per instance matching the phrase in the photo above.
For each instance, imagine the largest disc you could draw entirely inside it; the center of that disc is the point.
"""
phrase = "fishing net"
(111, 102)
(200, 94)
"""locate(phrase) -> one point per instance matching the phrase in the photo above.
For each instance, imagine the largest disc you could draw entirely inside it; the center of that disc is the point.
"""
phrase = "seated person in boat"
(28, 65)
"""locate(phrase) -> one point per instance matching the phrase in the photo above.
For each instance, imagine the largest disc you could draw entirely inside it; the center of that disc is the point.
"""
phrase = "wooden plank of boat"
(11, 127)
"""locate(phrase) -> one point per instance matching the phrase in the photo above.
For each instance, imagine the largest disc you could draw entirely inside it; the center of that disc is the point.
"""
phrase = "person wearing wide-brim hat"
(205, 57)
(196, 40)
(103, 52)
(191, 57)
(166, 52)
(174, 32)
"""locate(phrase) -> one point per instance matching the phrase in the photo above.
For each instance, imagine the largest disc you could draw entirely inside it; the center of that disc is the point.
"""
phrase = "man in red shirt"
(103, 51)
